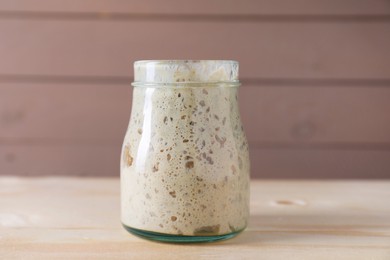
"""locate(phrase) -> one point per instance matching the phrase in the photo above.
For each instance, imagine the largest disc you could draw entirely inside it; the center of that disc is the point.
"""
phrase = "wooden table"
(76, 218)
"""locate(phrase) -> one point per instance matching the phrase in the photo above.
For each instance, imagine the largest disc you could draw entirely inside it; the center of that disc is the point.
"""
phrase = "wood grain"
(103, 160)
(214, 7)
(76, 218)
(290, 50)
(273, 116)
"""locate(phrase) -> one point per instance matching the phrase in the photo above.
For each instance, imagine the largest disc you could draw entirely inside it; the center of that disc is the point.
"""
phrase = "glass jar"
(185, 161)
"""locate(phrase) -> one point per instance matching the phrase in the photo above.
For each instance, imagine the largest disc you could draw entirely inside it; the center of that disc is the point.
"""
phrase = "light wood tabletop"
(78, 218)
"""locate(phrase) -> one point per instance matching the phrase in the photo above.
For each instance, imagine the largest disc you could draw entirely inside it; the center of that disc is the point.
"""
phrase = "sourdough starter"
(185, 165)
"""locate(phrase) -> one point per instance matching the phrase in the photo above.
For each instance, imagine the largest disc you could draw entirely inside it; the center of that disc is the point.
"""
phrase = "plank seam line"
(261, 81)
(118, 16)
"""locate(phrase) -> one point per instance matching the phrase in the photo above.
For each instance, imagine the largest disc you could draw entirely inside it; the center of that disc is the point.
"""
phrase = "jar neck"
(186, 72)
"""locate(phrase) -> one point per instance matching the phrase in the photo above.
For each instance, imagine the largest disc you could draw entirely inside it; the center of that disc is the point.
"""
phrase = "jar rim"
(182, 61)
(185, 71)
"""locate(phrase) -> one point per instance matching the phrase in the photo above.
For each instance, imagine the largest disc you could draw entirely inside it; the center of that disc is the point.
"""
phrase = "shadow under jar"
(185, 160)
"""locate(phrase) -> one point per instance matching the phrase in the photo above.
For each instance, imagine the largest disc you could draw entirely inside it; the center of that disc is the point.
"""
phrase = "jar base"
(167, 238)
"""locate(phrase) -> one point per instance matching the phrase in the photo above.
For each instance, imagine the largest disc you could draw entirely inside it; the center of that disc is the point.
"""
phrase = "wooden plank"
(60, 160)
(244, 7)
(103, 160)
(269, 50)
(64, 113)
(324, 164)
(299, 115)
(273, 116)
(76, 218)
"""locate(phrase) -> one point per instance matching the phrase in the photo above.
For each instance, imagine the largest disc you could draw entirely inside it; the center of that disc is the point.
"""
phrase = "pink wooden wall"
(315, 99)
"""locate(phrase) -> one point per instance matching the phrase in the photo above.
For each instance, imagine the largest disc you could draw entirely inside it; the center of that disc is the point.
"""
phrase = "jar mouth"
(185, 72)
